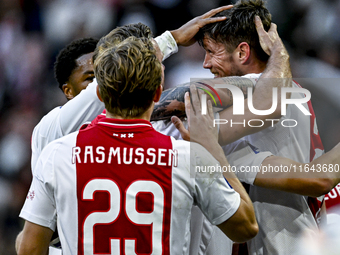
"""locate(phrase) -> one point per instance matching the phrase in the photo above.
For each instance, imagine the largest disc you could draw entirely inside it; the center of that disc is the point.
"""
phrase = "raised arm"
(277, 74)
(310, 179)
(172, 100)
(185, 35)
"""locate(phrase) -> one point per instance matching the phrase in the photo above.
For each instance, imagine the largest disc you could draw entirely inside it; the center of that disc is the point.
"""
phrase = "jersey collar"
(125, 123)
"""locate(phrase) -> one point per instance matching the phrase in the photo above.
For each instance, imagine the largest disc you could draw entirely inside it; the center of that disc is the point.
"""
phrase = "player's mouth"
(216, 75)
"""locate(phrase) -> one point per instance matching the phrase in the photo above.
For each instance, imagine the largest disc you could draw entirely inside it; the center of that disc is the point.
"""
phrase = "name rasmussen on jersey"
(125, 155)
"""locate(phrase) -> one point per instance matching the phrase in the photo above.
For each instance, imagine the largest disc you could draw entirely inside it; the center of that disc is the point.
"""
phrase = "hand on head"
(185, 35)
(270, 41)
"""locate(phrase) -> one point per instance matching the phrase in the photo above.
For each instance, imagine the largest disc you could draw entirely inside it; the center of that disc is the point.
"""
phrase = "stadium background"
(33, 31)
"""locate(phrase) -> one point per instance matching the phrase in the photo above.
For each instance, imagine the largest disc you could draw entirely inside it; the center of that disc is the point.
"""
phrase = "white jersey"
(65, 119)
(83, 108)
(281, 215)
(205, 237)
(120, 186)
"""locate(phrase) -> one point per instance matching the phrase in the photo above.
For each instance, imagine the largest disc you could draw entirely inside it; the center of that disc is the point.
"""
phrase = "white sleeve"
(83, 108)
(167, 44)
(215, 197)
(39, 207)
(66, 119)
(245, 160)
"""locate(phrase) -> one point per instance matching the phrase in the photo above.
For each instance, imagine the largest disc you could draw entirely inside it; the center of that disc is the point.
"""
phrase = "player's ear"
(158, 94)
(98, 94)
(243, 52)
(68, 91)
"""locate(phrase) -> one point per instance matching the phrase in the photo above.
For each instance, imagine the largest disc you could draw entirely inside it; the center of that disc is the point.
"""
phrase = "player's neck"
(257, 67)
(145, 116)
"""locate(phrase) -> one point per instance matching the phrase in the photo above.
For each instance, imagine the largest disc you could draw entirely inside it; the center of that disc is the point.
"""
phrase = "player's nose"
(207, 62)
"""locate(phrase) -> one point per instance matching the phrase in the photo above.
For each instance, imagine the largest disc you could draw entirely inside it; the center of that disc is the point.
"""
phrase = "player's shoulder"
(60, 143)
(47, 121)
(197, 153)
(69, 139)
(56, 149)
(51, 114)
(295, 84)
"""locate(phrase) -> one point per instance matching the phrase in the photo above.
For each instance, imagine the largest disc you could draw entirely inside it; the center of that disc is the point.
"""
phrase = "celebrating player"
(118, 186)
(74, 72)
(233, 48)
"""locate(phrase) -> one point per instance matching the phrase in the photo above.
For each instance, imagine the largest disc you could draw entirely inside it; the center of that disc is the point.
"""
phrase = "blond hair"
(128, 75)
(121, 33)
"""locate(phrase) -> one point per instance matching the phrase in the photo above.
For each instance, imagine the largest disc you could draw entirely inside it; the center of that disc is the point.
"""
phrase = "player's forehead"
(84, 63)
(209, 43)
(159, 53)
(85, 59)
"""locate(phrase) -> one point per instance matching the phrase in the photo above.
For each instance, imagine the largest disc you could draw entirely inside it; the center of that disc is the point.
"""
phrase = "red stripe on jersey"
(333, 197)
(124, 188)
(315, 139)
(315, 144)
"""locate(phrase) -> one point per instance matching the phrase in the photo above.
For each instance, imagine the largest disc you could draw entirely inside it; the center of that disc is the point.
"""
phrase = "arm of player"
(18, 241)
(242, 226)
(84, 107)
(310, 179)
(276, 74)
(185, 35)
(172, 100)
(34, 240)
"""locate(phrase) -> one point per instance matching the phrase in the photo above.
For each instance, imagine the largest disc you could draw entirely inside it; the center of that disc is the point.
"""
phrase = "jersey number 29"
(154, 218)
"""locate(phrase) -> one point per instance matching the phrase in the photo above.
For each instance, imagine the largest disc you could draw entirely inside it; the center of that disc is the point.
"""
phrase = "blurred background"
(33, 31)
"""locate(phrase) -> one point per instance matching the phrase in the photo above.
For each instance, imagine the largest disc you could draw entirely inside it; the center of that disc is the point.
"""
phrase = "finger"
(204, 22)
(200, 92)
(210, 109)
(187, 104)
(259, 26)
(216, 10)
(263, 35)
(273, 27)
(193, 99)
(179, 125)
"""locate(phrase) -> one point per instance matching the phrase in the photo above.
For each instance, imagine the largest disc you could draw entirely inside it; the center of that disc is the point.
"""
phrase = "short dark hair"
(128, 76)
(66, 59)
(119, 34)
(239, 26)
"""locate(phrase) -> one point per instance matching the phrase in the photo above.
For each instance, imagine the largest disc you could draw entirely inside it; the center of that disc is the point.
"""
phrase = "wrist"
(174, 34)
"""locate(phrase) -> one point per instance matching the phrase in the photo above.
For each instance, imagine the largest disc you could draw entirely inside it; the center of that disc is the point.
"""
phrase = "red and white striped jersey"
(332, 200)
(120, 187)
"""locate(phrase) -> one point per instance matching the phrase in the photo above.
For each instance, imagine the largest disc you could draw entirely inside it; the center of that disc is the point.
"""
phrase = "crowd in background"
(33, 31)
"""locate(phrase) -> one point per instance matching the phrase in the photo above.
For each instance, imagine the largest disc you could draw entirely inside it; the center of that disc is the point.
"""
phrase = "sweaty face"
(220, 62)
(81, 76)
